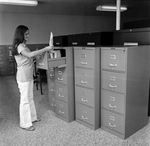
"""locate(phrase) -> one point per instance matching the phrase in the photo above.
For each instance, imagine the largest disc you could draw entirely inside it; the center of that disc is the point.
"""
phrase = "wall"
(40, 25)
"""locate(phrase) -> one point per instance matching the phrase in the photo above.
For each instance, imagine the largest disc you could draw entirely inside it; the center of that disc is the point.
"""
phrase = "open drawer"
(44, 62)
(57, 62)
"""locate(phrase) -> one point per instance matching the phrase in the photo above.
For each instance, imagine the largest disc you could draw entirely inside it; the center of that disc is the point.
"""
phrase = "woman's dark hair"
(18, 38)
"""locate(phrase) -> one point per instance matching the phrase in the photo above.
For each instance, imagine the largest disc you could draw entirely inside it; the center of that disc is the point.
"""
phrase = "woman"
(24, 60)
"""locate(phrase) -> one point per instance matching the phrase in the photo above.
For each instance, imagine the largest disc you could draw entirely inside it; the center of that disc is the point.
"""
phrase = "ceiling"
(136, 8)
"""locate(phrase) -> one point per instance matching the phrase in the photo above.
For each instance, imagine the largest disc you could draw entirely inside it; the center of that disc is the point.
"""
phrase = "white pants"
(27, 106)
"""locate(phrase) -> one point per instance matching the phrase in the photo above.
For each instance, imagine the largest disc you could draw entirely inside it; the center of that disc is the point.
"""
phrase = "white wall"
(40, 25)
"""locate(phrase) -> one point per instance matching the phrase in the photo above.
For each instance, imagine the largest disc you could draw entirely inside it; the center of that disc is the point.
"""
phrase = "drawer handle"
(84, 63)
(74, 43)
(83, 55)
(60, 79)
(112, 118)
(112, 106)
(84, 118)
(84, 74)
(112, 78)
(84, 100)
(61, 112)
(41, 64)
(60, 72)
(112, 98)
(51, 75)
(112, 126)
(112, 86)
(54, 105)
(52, 84)
(84, 82)
(61, 96)
(52, 90)
(60, 89)
(113, 65)
(112, 56)
(51, 69)
(61, 106)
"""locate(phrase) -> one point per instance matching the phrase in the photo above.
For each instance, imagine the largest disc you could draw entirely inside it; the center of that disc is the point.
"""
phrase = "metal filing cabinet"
(11, 64)
(124, 89)
(87, 86)
(3, 68)
(61, 84)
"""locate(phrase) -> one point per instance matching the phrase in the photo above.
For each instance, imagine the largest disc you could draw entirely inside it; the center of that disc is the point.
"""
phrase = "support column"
(118, 12)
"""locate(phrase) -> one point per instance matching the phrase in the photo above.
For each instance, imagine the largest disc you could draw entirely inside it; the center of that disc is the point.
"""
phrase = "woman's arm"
(37, 52)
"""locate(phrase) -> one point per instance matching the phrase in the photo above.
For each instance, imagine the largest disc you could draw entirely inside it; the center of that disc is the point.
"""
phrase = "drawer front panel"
(84, 77)
(2, 51)
(84, 96)
(113, 81)
(56, 62)
(51, 73)
(1, 65)
(51, 86)
(113, 59)
(52, 102)
(113, 101)
(61, 92)
(61, 75)
(61, 108)
(84, 58)
(112, 121)
(85, 113)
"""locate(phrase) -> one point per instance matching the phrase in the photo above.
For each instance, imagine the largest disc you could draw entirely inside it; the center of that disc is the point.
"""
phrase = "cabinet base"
(86, 124)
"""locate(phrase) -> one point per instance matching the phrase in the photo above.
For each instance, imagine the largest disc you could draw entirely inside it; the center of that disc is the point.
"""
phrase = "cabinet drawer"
(2, 50)
(84, 58)
(61, 92)
(84, 96)
(61, 108)
(84, 77)
(52, 102)
(112, 121)
(2, 58)
(1, 63)
(113, 81)
(113, 59)
(51, 86)
(44, 62)
(56, 62)
(61, 75)
(51, 73)
(113, 101)
(85, 113)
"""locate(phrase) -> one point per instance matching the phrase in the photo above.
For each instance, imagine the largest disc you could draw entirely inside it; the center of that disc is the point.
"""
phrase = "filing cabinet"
(3, 67)
(124, 89)
(75, 40)
(10, 61)
(60, 76)
(60, 40)
(87, 86)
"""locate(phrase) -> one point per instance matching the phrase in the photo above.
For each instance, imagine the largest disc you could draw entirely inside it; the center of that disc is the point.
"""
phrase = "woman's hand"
(48, 48)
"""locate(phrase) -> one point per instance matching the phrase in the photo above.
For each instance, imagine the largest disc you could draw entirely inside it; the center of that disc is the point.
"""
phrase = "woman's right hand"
(48, 48)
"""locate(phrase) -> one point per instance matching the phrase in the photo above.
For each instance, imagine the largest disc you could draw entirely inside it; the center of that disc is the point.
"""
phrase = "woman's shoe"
(31, 128)
(37, 120)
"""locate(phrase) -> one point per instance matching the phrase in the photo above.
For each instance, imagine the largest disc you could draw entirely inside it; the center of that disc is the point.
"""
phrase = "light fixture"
(20, 2)
(109, 8)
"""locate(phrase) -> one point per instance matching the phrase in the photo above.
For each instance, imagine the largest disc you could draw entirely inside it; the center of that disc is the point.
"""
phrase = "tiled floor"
(52, 131)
